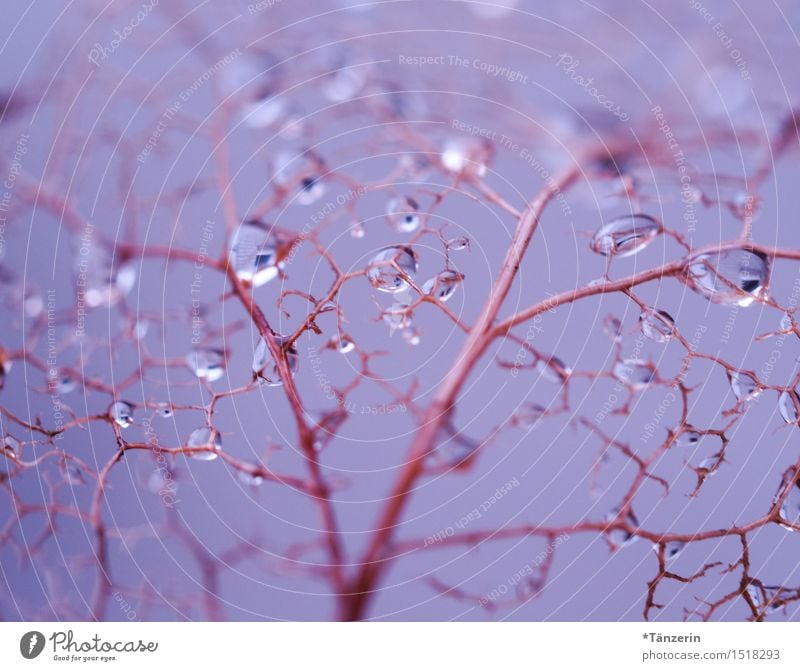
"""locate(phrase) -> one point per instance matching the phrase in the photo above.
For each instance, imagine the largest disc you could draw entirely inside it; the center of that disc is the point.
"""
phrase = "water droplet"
(390, 267)
(164, 410)
(745, 205)
(250, 479)
(162, 481)
(709, 464)
(140, 329)
(657, 325)
(311, 190)
(397, 317)
(33, 304)
(264, 367)
(789, 406)
(65, 383)
(625, 235)
(264, 111)
(12, 445)
(206, 364)
(358, 231)
(671, 549)
(443, 285)
(732, 276)
(207, 438)
(122, 413)
(622, 537)
(790, 509)
(688, 438)
(463, 156)
(528, 415)
(403, 214)
(343, 85)
(786, 322)
(342, 344)
(457, 244)
(635, 372)
(254, 253)
(743, 385)
(552, 369)
(612, 327)
(411, 336)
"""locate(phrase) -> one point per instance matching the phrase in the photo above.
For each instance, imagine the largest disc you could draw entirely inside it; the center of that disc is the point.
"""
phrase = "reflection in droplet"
(403, 214)
(743, 385)
(457, 244)
(621, 537)
(206, 364)
(65, 383)
(625, 235)
(552, 369)
(790, 508)
(789, 406)
(390, 267)
(732, 276)
(342, 344)
(688, 438)
(254, 253)
(443, 285)
(122, 413)
(635, 372)
(12, 445)
(657, 325)
(311, 190)
(250, 479)
(208, 438)
(264, 367)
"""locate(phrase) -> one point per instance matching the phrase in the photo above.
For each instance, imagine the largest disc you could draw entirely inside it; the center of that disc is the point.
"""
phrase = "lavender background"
(86, 124)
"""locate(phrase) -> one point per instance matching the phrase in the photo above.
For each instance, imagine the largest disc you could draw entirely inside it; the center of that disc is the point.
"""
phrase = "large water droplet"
(790, 509)
(443, 285)
(254, 253)
(391, 267)
(208, 438)
(403, 214)
(744, 386)
(789, 406)
(626, 235)
(732, 276)
(206, 364)
(635, 372)
(657, 325)
(122, 413)
(264, 367)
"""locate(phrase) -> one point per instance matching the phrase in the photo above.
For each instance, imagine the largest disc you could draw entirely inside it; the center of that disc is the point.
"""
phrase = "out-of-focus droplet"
(671, 549)
(250, 479)
(403, 214)
(65, 383)
(612, 327)
(33, 304)
(397, 316)
(265, 369)
(657, 325)
(732, 276)
(528, 415)
(412, 337)
(312, 188)
(264, 111)
(255, 253)
(162, 481)
(140, 329)
(745, 205)
(12, 445)
(391, 267)
(462, 156)
(122, 413)
(744, 386)
(457, 244)
(164, 410)
(342, 344)
(789, 406)
(206, 364)
(622, 537)
(552, 369)
(786, 322)
(443, 285)
(344, 84)
(358, 231)
(625, 236)
(634, 372)
(208, 438)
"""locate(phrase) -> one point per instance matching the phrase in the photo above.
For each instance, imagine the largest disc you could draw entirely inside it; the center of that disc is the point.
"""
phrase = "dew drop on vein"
(206, 364)
(403, 214)
(626, 235)
(265, 369)
(389, 268)
(657, 325)
(730, 277)
(443, 285)
(254, 253)
(205, 437)
(121, 412)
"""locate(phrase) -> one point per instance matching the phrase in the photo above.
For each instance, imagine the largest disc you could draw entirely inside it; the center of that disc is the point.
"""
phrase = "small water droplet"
(207, 438)
(264, 111)
(12, 446)
(612, 327)
(162, 481)
(443, 285)
(625, 236)
(140, 329)
(657, 325)
(671, 549)
(397, 317)
(250, 479)
(621, 537)
(264, 367)
(254, 253)
(528, 415)
(458, 244)
(311, 190)
(389, 268)
(635, 372)
(743, 385)
(732, 276)
(342, 344)
(552, 369)
(790, 509)
(411, 336)
(206, 364)
(343, 85)
(358, 231)
(65, 383)
(122, 413)
(465, 156)
(688, 438)
(403, 214)
(164, 410)
(789, 406)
